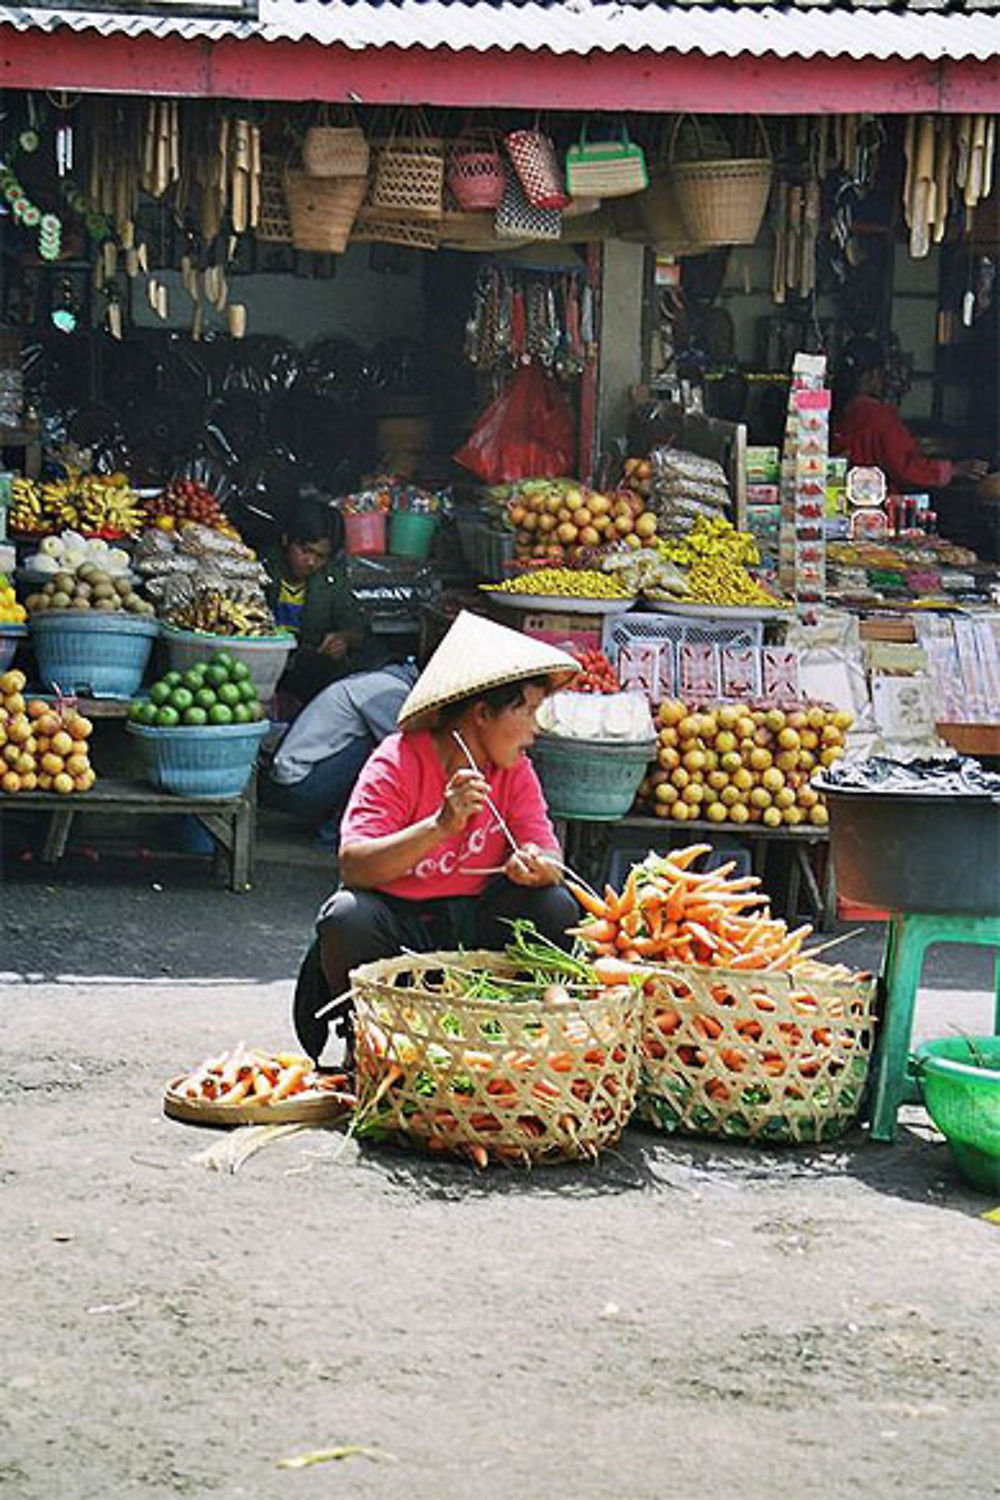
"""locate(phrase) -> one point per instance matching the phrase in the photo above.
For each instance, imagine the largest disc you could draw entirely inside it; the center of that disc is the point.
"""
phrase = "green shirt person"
(309, 594)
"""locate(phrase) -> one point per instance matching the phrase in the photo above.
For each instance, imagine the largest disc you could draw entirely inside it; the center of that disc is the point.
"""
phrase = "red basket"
(365, 533)
(476, 176)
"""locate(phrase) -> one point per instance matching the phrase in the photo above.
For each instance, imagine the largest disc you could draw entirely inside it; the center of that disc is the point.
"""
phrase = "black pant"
(358, 926)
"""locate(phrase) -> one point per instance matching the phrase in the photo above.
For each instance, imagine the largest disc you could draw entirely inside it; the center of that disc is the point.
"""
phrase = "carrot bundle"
(668, 912)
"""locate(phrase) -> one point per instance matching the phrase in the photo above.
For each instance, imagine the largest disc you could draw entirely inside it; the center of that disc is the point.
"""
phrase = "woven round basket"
(322, 210)
(475, 173)
(408, 177)
(754, 1056)
(376, 226)
(722, 202)
(335, 151)
(519, 1081)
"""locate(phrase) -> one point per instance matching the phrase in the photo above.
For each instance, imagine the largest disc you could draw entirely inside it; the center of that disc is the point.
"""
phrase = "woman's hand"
(970, 468)
(530, 865)
(464, 796)
(334, 645)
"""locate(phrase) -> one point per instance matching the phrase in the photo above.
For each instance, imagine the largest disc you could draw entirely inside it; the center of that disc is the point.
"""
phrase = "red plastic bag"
(526, 433)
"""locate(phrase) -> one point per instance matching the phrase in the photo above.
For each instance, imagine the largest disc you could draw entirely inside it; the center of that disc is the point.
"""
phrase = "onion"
(556, 994)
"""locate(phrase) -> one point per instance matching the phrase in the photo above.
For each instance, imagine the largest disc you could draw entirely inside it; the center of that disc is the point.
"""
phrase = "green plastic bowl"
(963, 1100)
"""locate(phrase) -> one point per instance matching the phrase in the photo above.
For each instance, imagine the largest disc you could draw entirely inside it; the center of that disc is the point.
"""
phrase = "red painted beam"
(643, 81)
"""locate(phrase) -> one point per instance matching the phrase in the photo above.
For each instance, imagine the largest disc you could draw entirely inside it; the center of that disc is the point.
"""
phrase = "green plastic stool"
(909, 935)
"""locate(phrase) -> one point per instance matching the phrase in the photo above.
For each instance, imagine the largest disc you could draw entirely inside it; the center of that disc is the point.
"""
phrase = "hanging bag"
(517, 219)
(409, 174)
(605, 168)
(721, 201)
(335, 150)
(475, 172)
(533, 158)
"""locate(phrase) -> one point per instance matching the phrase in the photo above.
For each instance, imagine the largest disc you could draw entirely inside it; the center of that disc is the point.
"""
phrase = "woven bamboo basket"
(475, 173)
(335, 151)
(322, 210)
(753, 1056)
(520, 1081)
(408, 178)
(273, 226)
(721, 202)
(396, 229)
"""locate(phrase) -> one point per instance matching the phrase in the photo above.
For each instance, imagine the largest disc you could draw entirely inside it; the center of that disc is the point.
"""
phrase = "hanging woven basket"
(475, 173)
(322, 210)
(408, 177)
(722, 202)
(335, 151)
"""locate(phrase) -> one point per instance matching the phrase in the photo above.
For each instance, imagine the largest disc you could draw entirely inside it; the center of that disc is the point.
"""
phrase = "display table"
(230, 821)
(584, 847)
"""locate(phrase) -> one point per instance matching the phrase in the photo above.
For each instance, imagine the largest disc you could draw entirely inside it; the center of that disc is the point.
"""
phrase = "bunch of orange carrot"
(668, 912)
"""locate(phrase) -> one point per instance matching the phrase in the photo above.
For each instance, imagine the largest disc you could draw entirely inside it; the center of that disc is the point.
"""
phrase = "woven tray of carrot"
(745, 1033)
(522, 1057)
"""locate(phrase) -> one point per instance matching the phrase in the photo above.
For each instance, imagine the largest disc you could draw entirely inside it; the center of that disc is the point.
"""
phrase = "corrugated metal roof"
(813, 28)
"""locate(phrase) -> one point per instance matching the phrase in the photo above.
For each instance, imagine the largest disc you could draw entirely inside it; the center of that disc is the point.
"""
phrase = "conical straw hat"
(473, 657)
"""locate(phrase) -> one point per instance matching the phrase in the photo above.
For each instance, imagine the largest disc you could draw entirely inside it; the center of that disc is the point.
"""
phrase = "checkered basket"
(534, 159)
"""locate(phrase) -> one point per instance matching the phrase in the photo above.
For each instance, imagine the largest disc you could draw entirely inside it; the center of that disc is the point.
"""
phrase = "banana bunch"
(82, 502)
(216, 613)
(25, 515)
(108, 503)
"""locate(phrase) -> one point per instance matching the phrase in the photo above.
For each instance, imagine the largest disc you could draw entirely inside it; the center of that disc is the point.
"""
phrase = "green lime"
(167, 717)
(181, 698)
(239, 671)
(159, 693)
(204, 697)
(216, 674)
(241, 713)
(135, 709)
(256, 713)
(194, 715)
(248, 692)
(229, 693)
(220, 714)
(147, 713)
(222, 659)
(171, 678)
(194, 678)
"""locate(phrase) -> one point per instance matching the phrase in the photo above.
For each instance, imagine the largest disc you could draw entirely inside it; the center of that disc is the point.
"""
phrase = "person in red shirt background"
(446, 837)
(870, 433)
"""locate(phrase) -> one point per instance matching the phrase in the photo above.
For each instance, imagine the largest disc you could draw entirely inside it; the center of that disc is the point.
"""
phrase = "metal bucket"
(906, 852)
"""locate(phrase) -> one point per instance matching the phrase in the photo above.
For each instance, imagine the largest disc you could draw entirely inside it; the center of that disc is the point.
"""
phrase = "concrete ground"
(682, 1321)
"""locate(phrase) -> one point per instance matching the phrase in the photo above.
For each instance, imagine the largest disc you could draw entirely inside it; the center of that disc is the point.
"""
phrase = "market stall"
(439, 291)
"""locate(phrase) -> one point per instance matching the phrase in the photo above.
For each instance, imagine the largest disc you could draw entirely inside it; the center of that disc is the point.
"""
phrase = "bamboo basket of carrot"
(472, 1054)
(745, 1034)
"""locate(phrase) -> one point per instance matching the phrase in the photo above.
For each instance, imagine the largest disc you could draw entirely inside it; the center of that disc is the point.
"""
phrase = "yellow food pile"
(716, 557)
(86, 502)
(11, 613)
(734, 764)
(42, 748)
(569, 583)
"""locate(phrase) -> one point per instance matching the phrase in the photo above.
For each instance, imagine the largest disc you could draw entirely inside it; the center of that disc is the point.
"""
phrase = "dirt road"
(680, 1321)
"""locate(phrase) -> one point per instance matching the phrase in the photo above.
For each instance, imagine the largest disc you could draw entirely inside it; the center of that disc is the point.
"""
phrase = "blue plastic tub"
(100, 655)
(193, 761)
(264, 655)
(595, 779)
(11, 637)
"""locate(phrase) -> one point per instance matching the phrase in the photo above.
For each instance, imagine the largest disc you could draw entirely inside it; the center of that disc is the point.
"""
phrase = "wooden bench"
(585, 850)
(230, 821)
